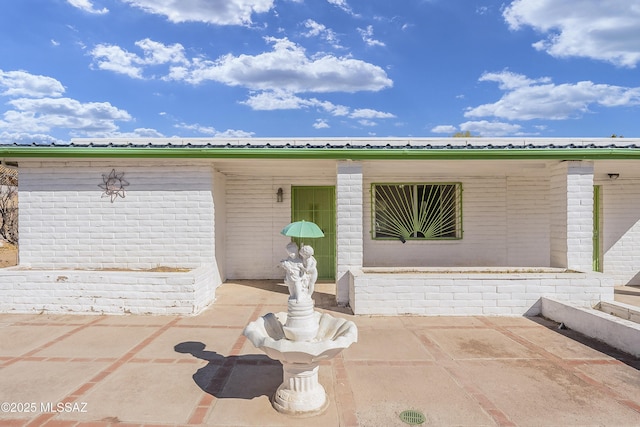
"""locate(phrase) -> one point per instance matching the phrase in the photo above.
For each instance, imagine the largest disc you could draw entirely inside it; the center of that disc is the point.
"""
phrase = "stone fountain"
(301, 338)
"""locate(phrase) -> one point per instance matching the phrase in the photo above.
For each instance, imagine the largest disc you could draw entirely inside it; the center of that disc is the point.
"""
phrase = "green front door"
(317, 204)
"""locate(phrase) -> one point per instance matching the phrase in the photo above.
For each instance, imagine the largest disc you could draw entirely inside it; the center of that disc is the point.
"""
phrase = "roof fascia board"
(325, 153)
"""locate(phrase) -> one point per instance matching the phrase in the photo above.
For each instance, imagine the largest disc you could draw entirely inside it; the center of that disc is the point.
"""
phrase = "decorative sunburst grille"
(113, 185)
(417, 211)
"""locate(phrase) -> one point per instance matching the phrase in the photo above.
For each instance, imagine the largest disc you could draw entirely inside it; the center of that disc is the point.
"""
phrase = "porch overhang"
(335, 149)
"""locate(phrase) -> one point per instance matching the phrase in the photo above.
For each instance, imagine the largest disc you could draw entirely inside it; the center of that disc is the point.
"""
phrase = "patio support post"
(349, 216)
(572, 215)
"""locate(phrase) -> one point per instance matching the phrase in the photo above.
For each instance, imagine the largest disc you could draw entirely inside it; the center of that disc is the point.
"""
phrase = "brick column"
(572, 215)
(349, 225)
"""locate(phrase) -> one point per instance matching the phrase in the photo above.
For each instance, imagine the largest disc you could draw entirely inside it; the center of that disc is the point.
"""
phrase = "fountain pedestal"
(302, 324)
(300, 392)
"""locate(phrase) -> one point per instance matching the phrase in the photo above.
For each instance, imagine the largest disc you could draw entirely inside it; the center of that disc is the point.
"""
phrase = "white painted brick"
(504, 294)
(468, 296)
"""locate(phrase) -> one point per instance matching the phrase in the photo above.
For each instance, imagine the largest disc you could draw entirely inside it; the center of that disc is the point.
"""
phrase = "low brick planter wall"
(106, 291)
(471, 291)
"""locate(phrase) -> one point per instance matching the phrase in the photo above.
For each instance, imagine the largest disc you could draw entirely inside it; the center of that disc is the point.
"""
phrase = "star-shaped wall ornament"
(113, 185)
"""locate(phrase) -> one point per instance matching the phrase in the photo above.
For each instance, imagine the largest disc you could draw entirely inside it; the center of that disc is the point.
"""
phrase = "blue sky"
(318, 68)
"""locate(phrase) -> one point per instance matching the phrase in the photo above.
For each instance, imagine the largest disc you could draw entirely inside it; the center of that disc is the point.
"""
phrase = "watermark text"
(42, 407)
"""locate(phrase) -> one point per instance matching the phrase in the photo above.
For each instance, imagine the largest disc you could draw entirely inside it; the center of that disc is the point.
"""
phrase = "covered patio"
(413, 226)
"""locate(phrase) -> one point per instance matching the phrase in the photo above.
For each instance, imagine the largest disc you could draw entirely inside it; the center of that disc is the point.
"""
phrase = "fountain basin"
(300, 393)
(334, 335)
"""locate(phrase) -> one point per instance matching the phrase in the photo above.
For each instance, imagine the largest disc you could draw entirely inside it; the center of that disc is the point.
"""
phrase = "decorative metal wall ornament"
(113, 185)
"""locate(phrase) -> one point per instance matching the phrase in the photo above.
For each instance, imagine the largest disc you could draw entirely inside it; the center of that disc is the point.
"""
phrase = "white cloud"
(38, 107)
(219, 12)
(114, 58)
(507, 80)
(10, 137)
(136, 133)
(157, 53)
(206, 130)
(288, 68)
(321, 124)
(118, 60)
(316, 29)
(485, 128)
(234, 133)
(366, 113)
(449, 129)
(276, 100)
(597, 29)
(342, 4)
(87, 6)
(527, 99)
(367, 37)
(145, 133)
(199, 129)
(282, 100)
(21, 83)
(44, 114)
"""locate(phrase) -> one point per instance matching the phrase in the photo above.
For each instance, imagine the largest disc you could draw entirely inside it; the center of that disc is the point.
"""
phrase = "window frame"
(458, 188)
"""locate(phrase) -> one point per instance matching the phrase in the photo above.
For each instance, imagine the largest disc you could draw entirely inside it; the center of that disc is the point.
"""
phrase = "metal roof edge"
(400, 153)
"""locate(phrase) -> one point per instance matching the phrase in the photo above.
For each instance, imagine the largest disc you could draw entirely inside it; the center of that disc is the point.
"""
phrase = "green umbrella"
(302, 229)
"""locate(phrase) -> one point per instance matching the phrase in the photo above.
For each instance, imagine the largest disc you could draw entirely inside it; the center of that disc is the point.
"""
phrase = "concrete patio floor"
(187, 371)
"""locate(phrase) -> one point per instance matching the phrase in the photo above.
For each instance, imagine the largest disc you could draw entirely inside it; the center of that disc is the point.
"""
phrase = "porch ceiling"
(455, 168)
(272, 167)
(327, 168)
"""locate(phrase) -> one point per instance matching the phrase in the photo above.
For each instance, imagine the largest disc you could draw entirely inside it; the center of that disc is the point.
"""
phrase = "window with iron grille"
(417, 211)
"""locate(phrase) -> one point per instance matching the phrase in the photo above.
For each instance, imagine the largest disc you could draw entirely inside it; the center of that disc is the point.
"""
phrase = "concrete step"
(627, 290)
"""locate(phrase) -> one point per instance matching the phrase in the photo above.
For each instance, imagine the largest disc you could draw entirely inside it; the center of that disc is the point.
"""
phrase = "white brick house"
(518, 219)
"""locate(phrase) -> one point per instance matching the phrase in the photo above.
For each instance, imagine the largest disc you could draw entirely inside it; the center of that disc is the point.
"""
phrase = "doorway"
(317, 204)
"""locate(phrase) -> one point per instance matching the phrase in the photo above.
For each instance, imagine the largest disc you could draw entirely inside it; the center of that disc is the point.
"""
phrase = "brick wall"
(81, 253)
(106, 292)
(621, 230)
(572, 215)
(465, 294)
(166, 218)
(349, 230)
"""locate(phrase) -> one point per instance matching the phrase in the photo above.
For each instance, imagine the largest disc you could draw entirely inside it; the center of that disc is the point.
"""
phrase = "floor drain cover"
(412, 417)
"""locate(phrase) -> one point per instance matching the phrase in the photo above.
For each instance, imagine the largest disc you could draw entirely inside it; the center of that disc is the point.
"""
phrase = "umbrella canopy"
(302, 229)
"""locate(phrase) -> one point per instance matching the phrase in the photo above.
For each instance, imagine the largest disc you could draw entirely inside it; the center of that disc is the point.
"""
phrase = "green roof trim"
(478, 153)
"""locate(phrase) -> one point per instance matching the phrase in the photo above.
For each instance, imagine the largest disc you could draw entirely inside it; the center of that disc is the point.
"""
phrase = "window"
(417, 211)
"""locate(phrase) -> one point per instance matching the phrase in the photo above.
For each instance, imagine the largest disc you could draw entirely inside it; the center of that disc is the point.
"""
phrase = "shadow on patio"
(237, 377)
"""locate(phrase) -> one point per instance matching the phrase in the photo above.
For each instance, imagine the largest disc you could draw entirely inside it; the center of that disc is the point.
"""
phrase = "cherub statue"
(295, 277)
(309, 265)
